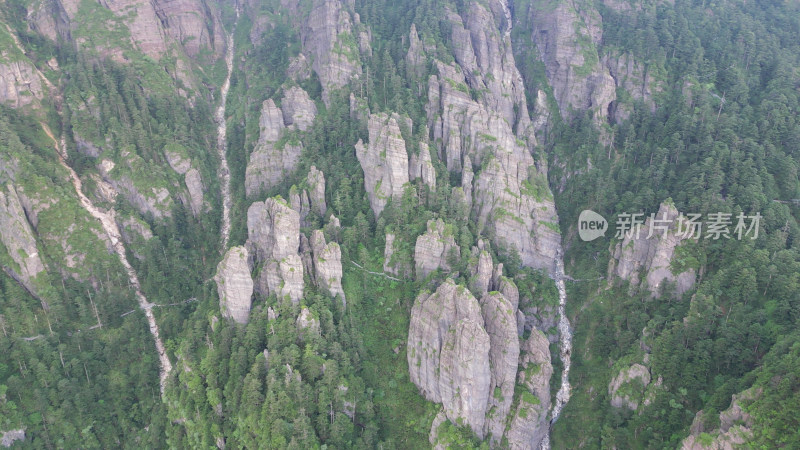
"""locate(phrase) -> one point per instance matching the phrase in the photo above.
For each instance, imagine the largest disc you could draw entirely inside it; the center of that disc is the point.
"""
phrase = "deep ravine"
(564, 346)
(224, 172)
(109, 224)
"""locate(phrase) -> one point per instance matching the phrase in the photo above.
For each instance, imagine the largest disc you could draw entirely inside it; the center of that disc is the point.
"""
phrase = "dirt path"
(106, 219)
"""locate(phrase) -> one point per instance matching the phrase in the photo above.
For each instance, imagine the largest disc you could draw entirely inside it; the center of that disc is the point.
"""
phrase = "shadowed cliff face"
(151, 27)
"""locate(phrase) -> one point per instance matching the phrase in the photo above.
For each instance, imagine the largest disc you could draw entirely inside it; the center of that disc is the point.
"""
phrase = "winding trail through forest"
(224, 172)
(106, 219)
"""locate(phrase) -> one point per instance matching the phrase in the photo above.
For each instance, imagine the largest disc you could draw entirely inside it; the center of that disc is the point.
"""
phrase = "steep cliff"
(501, 325)
(734, 429)
(494, 136)
(235, 285)
(435, 248)
(529, 424)
(18, 238)
(273, 229)
(330, 37)
(649, 258)
(276, 154)
(384, 161)
(328, 265)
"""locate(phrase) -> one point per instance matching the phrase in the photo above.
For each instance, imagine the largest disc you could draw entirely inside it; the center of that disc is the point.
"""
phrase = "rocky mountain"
(646, 257)
(465, 354)
(234, 284)
(278, 150)
(384, 160)
(273, 229)
(356, 224)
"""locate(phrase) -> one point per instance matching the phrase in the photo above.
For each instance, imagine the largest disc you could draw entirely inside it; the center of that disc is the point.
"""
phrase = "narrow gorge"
(224, 172)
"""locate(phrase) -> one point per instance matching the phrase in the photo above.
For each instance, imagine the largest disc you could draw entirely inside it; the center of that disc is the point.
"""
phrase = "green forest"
(719, 133)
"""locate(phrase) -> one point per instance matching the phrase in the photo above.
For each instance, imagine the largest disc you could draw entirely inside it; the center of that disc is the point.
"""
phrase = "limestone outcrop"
(19, 83)
(273, 158)
(567, 35)
(635, 379)
(529, 424)
(448, 353)
(734, 429)
(309, 196)
(493, 135)
(392, 263)
(639, 258)
(421, 166)
(501, 325)
(466, 355)
(327, 265)
(273, 230)
(192, 25)
(432, 317)
(435, 248)
(235, 285)
(307, 323)
(18, 238)
(464, 374)
(384, 161)
(328, 38)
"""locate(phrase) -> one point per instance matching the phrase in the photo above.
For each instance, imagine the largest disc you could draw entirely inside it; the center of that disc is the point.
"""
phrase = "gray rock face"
(626, 376)
(299, 68)
(328, 37)
(384, 161)
(466, 357)
(509, 194)
(501, 325)
(529, 424)
(194, 184)
(11, 436)
(434, 247)
(566, 36)
(17, 236)
(310, 196)
(19, 83)
(273, 230)
(633, 77)
(392, 263)
(298, 109)
(415, 58)
(638, 257)
(735, 426)
(306, 322)
(432, 317)
(464, 374)
(133, 229)
(316, 190)
(328, 265)
(155, 200)
(482, 273)
(271, 161)
(189, 24)
(235, 285)
(421, 166)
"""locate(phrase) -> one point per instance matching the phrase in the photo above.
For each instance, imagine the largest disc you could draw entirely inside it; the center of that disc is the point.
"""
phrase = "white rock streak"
(106, 219)
(222, 146)
(565, 347)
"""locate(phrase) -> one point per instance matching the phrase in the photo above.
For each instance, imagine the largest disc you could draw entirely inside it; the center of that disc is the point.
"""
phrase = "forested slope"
(404, 176)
